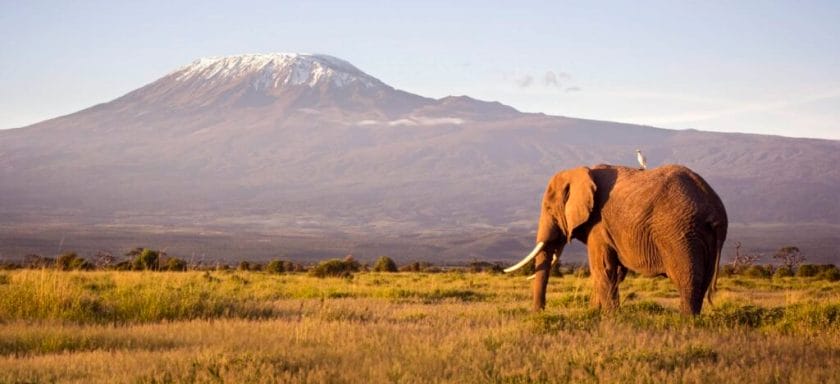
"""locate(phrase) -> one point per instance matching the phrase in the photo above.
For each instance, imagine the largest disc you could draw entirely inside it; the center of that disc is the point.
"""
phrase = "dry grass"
(407, 328)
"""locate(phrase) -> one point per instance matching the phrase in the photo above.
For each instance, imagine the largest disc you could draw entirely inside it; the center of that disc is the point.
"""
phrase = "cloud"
(554, 79)
(547, 79)
(524, 81)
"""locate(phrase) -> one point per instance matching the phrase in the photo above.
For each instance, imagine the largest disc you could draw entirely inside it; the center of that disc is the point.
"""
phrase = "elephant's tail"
(720, 237)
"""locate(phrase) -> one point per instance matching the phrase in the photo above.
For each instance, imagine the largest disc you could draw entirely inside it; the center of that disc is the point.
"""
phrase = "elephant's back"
(668, 196)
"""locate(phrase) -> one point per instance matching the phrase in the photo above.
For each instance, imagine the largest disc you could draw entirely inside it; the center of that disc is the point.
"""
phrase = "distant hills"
(309, 147)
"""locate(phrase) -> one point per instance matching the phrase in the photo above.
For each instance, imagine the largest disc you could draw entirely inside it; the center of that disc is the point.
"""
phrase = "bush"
(384, 264)
(175, 264)
(757, 271)
(419, 267)
(335, 268)
(484, 266)
(275, 266)
(37, 261)
(807, 270)
(71, 261)
(146, 259)
(830, 274)
(727, 270)
(783, 272)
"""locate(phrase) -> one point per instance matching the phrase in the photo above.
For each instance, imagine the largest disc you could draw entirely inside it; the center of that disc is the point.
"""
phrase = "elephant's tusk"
(528, 258)
(553, 261)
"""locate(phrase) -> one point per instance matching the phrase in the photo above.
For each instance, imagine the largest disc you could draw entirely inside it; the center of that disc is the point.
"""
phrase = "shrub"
(419, 267)
(146, 259)
(244, 265)
(384, 264)
(37, 261)
(783, 272)
(807, 270)
(484, 266)
(757, 271)
(830, 274)
(335, 268)
(727, 270)
(175, 264)
(71, 261)
(275, 266)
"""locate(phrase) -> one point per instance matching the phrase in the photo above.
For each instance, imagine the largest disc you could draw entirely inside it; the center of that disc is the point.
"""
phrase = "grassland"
(405, 328)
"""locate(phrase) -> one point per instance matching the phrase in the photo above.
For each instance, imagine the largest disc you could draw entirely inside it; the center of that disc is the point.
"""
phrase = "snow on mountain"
(275, 70)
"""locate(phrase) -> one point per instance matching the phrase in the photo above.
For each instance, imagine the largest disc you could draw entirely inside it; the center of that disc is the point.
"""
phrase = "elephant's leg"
(542, 266)
(692, 277)
(691, 296)
(606, 274)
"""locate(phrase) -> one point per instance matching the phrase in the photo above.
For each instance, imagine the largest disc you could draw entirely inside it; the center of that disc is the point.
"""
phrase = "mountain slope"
(291, 141)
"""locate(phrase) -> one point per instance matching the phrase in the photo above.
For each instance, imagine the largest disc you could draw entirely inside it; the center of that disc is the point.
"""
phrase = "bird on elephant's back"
(662, 221)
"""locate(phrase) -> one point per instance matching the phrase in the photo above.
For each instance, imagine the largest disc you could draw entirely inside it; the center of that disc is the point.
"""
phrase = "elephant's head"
(566, 205)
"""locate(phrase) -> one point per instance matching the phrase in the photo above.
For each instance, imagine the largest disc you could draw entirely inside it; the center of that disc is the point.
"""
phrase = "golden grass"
(405, 328)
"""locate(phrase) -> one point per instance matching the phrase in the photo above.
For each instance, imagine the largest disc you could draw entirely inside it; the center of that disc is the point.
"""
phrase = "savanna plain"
(407, 327)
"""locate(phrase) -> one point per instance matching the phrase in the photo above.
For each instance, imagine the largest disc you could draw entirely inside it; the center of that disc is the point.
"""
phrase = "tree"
(742, 261)
(790, 256)
(336, 268)
(275, 266)
(71, 261)
(384, 264)
(103, 259)
(147, 260)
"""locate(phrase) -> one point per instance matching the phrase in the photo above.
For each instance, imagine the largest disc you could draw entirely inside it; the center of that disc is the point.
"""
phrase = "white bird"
(641, 158)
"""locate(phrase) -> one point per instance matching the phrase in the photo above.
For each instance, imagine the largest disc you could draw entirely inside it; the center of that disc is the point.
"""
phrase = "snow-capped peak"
(274, 70)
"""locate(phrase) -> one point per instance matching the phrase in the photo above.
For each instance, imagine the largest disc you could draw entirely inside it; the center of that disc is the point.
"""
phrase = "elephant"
(662, 221)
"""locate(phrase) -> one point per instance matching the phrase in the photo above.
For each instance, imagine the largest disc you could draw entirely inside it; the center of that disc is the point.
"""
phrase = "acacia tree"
(790, 256)
(743, 260)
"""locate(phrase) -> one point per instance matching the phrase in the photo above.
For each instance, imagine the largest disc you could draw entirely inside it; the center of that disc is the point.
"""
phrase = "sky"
(769, 67)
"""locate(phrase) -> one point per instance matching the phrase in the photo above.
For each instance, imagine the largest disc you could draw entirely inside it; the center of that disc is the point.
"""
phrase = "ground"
(407, 328)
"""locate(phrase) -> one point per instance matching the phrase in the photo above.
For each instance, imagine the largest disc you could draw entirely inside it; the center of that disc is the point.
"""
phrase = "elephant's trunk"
(554, 258)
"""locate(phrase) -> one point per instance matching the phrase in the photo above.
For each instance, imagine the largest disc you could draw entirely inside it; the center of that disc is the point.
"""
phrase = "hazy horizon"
(746, 67)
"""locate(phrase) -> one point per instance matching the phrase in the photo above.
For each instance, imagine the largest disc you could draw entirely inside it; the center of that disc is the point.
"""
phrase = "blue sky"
(762, 67)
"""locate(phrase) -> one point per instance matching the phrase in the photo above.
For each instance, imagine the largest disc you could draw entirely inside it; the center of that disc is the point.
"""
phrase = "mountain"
(310, 149)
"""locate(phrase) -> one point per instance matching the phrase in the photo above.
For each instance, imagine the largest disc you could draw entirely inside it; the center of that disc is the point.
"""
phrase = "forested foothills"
(340, 321)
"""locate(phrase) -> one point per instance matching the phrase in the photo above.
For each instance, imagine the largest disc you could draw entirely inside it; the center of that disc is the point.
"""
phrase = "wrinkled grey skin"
(663, 221)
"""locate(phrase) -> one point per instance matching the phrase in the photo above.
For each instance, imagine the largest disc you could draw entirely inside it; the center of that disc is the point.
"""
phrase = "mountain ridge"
(366, 159)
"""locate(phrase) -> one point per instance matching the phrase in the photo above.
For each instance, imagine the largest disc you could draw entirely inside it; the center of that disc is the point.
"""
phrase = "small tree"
(336, 268)
(789, 256)
(384, 264)
(146, 260)
(103, 259)
(275, 266)
(743, 261)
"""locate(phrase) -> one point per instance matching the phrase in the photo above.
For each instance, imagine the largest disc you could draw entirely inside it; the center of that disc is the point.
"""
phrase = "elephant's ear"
(579, 198)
